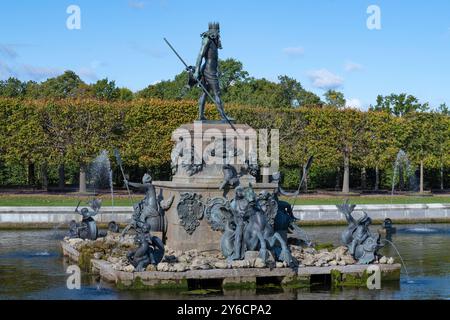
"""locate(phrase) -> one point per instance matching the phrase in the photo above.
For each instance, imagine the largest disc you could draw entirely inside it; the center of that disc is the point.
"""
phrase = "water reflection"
(31, 267)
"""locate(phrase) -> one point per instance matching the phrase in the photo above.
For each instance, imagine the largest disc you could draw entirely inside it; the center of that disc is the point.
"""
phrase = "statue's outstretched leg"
(263, 247)
(201, 107)
(285, 254)
(237, 254)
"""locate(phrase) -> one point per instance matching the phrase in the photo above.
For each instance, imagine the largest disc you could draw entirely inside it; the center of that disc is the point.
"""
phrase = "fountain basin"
(245, 277)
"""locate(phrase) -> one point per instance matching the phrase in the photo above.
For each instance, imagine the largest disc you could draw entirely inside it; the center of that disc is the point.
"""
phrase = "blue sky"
(324, 43)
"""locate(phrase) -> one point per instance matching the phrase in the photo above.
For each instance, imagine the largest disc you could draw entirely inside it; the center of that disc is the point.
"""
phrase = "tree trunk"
(377, 178)
(346, 180)
(44, 177)
(61, 177)
(31, 174)
(421, 176)
(305, 174)
(338, 178)
(363, 179)
(82, 179)
(442, 176)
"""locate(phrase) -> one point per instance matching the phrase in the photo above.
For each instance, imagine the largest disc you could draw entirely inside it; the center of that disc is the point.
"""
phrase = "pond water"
(32, 267)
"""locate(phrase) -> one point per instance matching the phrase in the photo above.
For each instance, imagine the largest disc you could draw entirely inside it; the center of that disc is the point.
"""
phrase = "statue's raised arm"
(198, 66)
(346, 208)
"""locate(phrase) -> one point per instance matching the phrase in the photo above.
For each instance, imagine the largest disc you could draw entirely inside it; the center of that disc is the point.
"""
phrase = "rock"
(178, 253)
(74, 242)
(339, 252)
(98, 255)
(180, 267)
(221, 265)
(113, 259)
(237, 264)
(348, 259)
(325, 265)
(251, 256)
(128, 268)
(309, 250)
(163, 266)
(279, 264)
(391, 260)
(200, 263)
(333, 263)
(318, 264)
(184, 259)
(151, 267)
(308, 260)
(342, 263)
(383, 260)
(259, 263)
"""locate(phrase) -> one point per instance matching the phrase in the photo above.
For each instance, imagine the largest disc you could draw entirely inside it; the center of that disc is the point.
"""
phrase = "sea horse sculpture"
(361, 243)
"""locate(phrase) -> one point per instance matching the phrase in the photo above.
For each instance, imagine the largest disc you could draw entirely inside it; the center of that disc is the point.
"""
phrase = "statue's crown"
(214, 26)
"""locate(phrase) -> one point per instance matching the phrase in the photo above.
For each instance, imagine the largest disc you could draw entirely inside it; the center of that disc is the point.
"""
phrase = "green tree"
(444, 109)
(12, 88)
(76, 131)
(421, 140)
(380, 142)
(67, 85)
(125, 94)
(230, 72)
(400, 104)
(335, 98)
(293, 94)
(105, 90)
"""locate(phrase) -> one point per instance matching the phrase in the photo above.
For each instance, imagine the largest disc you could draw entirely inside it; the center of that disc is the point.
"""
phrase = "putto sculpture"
(150, 249)
(149, 210)
(361, 243)
(87, 228)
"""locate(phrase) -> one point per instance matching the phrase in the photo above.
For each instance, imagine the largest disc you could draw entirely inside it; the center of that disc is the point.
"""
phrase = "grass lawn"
(67, 200)
(332, 200)
(71, 200)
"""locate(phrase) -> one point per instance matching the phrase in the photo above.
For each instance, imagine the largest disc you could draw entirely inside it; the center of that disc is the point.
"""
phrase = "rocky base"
(114, 250)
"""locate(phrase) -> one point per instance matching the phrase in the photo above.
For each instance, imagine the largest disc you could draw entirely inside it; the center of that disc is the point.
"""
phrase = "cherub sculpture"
(87, 228)
(150, 250)
(149, 210)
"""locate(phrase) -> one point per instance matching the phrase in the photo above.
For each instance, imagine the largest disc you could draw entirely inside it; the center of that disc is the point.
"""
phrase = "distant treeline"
(51, 141)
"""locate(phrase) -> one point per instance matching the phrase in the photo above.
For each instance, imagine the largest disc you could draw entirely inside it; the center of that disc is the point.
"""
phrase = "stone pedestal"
(212, 144)
(203, 238)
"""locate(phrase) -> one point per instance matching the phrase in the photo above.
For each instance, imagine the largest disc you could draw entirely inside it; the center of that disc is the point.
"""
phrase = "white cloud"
(40, 73)
(136, 4)
(353, 103)
(294, 52)
(97, 64)
(88, 73)
(6, 71)
(353, 66)
(8, 51)
(324, 79)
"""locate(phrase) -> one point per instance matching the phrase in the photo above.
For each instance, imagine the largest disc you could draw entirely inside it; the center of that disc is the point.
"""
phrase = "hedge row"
(44, 134)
